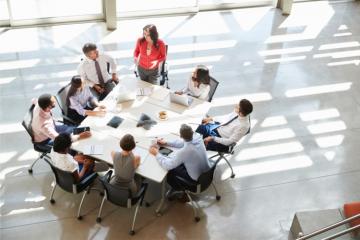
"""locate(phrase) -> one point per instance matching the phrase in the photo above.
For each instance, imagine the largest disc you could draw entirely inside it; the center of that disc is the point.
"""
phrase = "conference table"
(156, 99)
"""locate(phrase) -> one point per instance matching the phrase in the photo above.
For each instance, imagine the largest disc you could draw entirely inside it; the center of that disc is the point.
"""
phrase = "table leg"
(162, 200)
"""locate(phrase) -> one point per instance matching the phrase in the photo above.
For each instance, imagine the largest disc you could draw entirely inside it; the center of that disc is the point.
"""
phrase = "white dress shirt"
(191, 154)
(87, 70)
(80, 100)
(234, 131)
(201, 92)
(64, 162)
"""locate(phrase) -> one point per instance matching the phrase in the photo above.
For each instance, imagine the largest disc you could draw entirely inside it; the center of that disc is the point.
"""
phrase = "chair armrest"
(69, 119)
(142, 191)
(107, 176)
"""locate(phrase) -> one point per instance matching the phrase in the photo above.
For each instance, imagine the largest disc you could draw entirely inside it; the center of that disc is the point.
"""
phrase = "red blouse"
(145, 61)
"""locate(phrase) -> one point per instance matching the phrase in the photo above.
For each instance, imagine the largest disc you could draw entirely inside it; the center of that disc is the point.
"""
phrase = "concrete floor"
(301, 72)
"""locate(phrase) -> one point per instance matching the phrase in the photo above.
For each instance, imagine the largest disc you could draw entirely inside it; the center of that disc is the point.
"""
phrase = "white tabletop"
(130, 111)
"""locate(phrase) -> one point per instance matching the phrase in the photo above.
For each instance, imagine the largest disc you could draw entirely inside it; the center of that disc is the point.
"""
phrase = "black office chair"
(61, 100)
(121, 197)
(213, 86)
(231, 151)
(42, 149)
(203, 183)
(66, 181)
(163, 71)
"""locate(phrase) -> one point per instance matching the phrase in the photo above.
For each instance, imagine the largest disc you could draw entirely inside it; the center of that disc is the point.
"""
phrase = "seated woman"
(199, 84)
(125, 164)
(80, 165)
(81, 102)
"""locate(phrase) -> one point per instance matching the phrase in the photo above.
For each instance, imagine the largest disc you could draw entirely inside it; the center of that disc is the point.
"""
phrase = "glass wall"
(126, 8)
(4, 11)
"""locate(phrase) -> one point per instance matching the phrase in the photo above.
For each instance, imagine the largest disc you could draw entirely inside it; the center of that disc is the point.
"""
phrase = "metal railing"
(335, 225)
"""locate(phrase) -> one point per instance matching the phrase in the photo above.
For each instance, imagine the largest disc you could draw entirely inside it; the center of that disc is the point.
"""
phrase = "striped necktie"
(99, 74)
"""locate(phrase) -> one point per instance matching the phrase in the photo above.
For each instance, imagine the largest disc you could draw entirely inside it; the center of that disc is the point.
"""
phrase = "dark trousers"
(109, 85)
(148, 75)
(209, 129)
(75, 116)
(181, 172)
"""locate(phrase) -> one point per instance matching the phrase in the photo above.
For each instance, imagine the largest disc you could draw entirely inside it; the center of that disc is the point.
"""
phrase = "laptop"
(180, 99)
(126, 96)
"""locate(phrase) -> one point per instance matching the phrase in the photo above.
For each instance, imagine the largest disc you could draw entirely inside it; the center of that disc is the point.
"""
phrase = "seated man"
(43, 124)
(79, 165)
(220, 133)
(93, 71)
(189, 162)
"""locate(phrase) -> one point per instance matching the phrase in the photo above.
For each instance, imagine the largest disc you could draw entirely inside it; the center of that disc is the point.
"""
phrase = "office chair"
(163, 71)
(203, 183)
(213, 86)
(61, 100)
(66, 181)
(231, 151)
(121, 196)
(42, 149)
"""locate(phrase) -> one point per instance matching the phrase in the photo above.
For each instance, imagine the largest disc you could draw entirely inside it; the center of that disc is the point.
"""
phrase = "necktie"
(99, 74)
(230, 121)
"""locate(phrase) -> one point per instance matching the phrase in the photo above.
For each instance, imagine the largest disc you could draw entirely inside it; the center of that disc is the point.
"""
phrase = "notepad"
(144, 91)
(93, 150)
(160, 93)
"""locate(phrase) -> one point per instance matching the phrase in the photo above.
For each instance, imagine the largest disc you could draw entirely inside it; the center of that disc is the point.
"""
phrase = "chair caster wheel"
(197, 219)
(98, 219)
(132, 232)
(218, 197)
(158, 214)
(232, 175)
(102, 194)
(147, 204)
(30, 171)
(52, 201)
(79, 217)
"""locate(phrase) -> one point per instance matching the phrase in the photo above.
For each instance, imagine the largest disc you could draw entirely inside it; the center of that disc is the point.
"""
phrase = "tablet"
(79, 130)
(115, 122)
(165, 151)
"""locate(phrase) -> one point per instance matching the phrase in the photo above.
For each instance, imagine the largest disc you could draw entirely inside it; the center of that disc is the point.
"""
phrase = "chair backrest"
(163, 65)
(61, 98)
(28, 120)
(64, 179)
(213, 86)
(206, 178)
(120, 196)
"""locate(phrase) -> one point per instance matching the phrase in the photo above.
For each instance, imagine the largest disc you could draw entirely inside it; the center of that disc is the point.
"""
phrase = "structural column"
(285, 6)
(110, 14)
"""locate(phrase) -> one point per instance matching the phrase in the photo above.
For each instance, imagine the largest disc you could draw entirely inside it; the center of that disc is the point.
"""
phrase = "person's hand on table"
(179, 92)
(114, 78)
(153, 150)
(208, 139)
(161, 141)
(84, 135)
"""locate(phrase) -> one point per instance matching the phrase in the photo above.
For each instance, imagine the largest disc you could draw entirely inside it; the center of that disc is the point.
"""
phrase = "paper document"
(93, 150)
(146, 91)
(160, 93)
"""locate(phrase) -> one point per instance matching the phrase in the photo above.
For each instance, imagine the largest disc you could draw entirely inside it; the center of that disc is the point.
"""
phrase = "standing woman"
(149, 53)
(199, 83)
(81, 102)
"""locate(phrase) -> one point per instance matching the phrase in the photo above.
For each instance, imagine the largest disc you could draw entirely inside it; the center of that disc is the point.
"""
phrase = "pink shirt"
(43, 126)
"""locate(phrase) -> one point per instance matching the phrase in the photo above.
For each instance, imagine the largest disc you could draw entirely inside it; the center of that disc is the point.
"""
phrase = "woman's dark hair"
(154, 35)
(44, 101)
(75, 84)
(62, 143)
(89, 47)
(202, 74)
(127, 142)
(245, 107)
